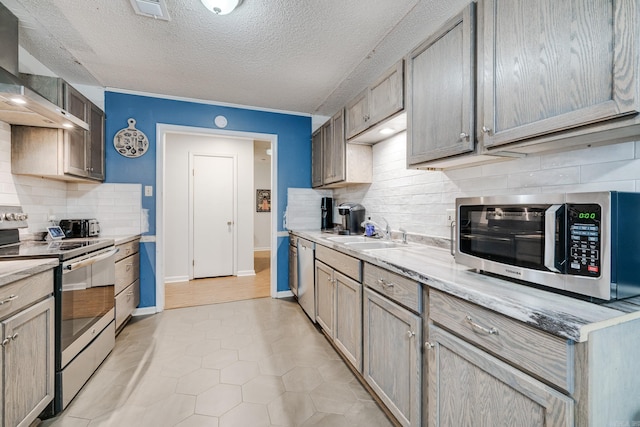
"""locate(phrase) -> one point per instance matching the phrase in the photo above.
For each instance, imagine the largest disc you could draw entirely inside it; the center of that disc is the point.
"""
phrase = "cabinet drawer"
(127, 249)
(127, 271)
(541, 354)
(24, 292)
(345, 264)
(126, 302)
(398, 288)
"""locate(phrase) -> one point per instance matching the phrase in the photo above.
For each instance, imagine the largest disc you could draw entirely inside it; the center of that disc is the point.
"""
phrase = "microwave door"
(552, 220)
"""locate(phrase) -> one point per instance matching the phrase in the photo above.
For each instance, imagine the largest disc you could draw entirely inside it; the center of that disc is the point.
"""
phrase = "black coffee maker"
(326, 209)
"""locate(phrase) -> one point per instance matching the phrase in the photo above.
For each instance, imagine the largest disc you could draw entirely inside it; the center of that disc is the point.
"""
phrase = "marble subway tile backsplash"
(418, 200)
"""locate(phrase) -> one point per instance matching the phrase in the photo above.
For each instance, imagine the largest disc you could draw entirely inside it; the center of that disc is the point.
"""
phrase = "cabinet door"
(75, 103)
(316, 158)
(75, 154)
(386, 94)
(327, 147)
(28, 363)
(392, 356)
(357, 114)
(441, 92)
(95, 149)
(337, 150)
(469, 387)
(550, 66)
(348, 327)
(325, 298)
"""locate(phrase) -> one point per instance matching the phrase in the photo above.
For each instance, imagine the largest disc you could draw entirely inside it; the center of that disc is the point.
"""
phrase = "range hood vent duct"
(20, 105)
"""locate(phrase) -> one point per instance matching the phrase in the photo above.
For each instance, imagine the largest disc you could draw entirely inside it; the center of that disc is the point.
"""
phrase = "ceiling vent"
(151, 8)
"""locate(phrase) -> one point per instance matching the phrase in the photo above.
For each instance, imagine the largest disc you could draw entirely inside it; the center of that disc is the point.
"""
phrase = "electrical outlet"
(451, 215)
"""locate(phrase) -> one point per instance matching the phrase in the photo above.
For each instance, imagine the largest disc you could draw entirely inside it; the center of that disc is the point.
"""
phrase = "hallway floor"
(252, 363)
(222, 289)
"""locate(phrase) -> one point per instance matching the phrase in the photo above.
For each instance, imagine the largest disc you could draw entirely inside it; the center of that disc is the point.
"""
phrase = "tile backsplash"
(118, 207)
(418, 200)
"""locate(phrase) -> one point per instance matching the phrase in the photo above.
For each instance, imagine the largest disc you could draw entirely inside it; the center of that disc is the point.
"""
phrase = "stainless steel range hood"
(20, 105)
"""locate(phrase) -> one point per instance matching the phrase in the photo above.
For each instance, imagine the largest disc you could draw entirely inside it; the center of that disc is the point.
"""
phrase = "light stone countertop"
(557, 314)
(14, 270)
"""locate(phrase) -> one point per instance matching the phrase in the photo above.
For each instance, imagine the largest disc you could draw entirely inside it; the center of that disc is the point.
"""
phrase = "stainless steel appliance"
(293, 264)
(80, 227)
(19, 105)
(306, 277)
(352, 218)
(582, 243)
(83, 289)
(326, 210)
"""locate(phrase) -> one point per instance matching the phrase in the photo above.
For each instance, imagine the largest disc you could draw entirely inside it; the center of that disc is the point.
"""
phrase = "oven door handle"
(550, 237)
(86, 262)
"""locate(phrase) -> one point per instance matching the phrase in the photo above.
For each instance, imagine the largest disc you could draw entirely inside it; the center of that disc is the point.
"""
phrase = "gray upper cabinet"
(440, 92)
(316, 158)
(548, 67)
(380, 101)
(336, 163)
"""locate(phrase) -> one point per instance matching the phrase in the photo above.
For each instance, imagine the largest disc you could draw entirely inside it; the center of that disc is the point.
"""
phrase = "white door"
(213, 216)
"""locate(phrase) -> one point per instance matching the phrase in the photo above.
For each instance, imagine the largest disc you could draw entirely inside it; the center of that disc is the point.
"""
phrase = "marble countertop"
(557, 314)
(13, 270)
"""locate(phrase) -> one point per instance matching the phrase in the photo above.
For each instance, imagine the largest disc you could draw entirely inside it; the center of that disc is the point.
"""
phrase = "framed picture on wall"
(263, 200)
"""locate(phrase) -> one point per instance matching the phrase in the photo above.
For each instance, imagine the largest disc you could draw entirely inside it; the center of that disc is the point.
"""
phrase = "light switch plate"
(148, 190)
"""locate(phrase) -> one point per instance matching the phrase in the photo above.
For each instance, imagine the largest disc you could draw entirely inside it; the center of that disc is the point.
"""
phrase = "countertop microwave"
(586, 244)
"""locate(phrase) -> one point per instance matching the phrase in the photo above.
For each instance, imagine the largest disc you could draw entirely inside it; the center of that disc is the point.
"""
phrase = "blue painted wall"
(294, 159)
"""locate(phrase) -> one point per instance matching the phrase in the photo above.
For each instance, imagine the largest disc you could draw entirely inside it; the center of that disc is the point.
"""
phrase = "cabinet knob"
(411, 334)
(5, 341)
(428, 345)
(486, 129)
(464, 136)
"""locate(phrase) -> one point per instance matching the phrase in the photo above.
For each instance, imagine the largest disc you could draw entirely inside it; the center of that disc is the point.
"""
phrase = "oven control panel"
(12, 217)
(584, 225)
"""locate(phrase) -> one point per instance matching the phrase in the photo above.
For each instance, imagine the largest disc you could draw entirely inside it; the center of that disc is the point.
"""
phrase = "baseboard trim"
(144, 311)
(284, 294)
(176, 279)
(246, 273)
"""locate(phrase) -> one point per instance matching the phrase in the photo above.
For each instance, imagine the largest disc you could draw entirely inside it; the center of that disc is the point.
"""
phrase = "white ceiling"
(308, 56)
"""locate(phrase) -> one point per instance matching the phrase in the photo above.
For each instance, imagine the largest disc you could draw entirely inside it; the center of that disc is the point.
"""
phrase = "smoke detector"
(151, 8)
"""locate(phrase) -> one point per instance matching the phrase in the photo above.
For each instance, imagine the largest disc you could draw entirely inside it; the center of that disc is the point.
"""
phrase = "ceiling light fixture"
(221, 7)
(387, 131)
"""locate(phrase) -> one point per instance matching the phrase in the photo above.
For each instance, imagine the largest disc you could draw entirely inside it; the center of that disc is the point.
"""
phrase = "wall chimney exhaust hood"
(20, 105)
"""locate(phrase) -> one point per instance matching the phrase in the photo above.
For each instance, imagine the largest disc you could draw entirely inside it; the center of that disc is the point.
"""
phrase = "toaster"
(80, 227)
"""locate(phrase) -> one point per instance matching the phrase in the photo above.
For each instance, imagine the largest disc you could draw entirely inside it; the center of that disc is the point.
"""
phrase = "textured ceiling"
(308, 56)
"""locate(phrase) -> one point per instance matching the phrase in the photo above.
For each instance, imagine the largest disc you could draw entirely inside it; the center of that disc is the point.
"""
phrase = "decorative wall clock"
(131, 142)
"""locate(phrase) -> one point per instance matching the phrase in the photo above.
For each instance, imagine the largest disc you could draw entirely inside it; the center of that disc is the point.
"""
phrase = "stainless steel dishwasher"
(306, 277)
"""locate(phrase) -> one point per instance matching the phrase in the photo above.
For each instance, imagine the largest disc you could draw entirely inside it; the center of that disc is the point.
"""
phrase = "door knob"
(229, 222)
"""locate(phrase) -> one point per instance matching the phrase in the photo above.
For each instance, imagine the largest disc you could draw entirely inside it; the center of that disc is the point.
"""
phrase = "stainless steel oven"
(83, 290)
(582, 243)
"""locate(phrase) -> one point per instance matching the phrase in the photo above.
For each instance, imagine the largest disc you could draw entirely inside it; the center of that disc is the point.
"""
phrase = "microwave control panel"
(585, 236)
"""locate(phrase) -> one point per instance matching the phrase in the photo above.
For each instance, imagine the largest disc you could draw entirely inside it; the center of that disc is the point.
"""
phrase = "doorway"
(172, 233)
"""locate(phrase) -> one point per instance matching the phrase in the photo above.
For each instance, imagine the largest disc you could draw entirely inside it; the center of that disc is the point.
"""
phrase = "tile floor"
(250, 363)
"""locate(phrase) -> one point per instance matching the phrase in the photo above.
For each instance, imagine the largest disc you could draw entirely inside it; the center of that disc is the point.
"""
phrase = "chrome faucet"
(404, 235)
(387, 229)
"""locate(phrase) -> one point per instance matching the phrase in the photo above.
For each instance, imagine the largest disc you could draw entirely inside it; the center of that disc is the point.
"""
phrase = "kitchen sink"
(349, 239)
(380, 244)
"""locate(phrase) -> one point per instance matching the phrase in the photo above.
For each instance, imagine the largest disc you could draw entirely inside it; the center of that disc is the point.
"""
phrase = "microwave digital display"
(584, 225)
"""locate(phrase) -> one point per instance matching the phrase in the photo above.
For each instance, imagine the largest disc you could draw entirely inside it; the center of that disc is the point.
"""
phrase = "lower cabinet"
(339, 311)
(467, 386)
(27, 354)
(392, 356)
(127, 289)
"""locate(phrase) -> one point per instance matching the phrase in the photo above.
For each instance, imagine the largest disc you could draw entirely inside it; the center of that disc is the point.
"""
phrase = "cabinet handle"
(464, 136)
(9, 299)
(411, 334)
(428, 345)
(486, 129)
(14, 336)
(489, 331)
(5, 341)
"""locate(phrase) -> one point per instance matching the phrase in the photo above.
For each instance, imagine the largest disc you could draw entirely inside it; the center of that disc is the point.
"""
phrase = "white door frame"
(161, 132)
(235, 208)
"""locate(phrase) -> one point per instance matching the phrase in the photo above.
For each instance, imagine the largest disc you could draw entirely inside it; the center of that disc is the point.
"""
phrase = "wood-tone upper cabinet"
(382, 99)
(392, 337)
(336, 163)
(550, 66)
(316, 158)
(470, 387)
(441, 92)
(95, 147)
